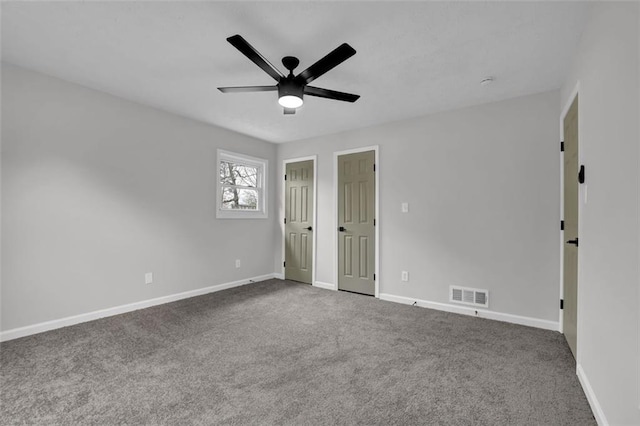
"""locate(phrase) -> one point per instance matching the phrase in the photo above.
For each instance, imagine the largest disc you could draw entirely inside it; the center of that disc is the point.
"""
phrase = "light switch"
(405, 207)
(148, 278)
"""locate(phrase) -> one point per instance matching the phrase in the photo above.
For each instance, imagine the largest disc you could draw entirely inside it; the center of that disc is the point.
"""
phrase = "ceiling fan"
(292, 88)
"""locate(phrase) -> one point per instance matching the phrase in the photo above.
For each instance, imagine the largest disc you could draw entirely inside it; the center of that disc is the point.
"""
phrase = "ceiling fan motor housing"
(289, 87)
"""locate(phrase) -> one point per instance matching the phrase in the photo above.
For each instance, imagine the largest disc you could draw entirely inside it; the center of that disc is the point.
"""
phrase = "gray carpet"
(278, 352)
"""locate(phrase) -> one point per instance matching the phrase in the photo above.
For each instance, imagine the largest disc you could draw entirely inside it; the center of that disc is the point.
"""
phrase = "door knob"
(309, 228)
(341, 229)
(574, 242)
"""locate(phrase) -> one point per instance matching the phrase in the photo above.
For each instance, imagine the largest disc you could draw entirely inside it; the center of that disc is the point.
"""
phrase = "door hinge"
(285, 177)
(562, 146)
(562, 225)
(374, 167)
(374, 222)
(561, 303)
(581, 174)
(284, 264)
(374, 277)
(285, 220)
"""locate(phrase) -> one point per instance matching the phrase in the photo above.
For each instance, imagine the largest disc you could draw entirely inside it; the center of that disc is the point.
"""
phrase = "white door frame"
(563, 114)
(313, 158)
(336, 154)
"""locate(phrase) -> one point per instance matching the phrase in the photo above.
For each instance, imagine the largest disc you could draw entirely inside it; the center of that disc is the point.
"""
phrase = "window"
(241, 186)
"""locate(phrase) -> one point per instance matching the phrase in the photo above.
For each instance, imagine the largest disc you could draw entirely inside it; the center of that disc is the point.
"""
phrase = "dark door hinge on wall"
(374, 277)
(374, 222)
(285, 220)
(285, 177)
(562, 225)
(561, 303)
(562, 146)
(284, 264)
(581, 174)
(374, 167)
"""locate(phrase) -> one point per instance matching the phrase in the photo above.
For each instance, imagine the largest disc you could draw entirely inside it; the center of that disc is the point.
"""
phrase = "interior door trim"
(565, 110)
(336, 154)
(313, 158)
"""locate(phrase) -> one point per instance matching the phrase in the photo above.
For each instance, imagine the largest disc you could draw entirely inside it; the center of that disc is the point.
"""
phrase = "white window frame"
(263, 172)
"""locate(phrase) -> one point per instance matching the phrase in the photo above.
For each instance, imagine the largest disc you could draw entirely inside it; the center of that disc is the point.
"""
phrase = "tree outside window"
(239, 183)
(241, 186)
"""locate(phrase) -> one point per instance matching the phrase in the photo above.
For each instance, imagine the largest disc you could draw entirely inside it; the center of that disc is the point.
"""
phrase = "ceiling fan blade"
(288, 111)
(250, 52)
(244, 89)
(330, 94)
(332, 60)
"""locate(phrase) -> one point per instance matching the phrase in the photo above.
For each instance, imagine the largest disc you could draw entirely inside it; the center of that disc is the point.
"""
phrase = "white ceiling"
(413, 58)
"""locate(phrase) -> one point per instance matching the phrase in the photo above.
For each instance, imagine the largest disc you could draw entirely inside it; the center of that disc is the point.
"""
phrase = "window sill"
(226, 214)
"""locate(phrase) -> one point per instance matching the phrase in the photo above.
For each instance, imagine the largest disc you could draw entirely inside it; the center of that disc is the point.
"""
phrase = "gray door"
(299, 221)
(570, 261)
(356, 222)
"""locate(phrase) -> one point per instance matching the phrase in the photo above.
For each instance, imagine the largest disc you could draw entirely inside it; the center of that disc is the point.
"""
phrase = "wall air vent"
(469, 296)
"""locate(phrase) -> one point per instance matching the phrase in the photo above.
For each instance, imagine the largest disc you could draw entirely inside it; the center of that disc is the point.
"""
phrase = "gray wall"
(606, 65)
(97, 190)
(483, 188)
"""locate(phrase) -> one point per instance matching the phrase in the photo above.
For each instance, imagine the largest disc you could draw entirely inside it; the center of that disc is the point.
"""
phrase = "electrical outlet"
(148, 278)
(237, 263)
(404, 207)
(404, 276)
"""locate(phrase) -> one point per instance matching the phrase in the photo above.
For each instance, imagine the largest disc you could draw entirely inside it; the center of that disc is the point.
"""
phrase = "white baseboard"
(326, 286)
(481, 313)
(591, 397)
(116, 310)
(279, 276)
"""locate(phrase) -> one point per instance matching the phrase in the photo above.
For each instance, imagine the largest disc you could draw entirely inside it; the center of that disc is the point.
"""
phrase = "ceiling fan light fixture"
(290, 93)
(290, 101)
